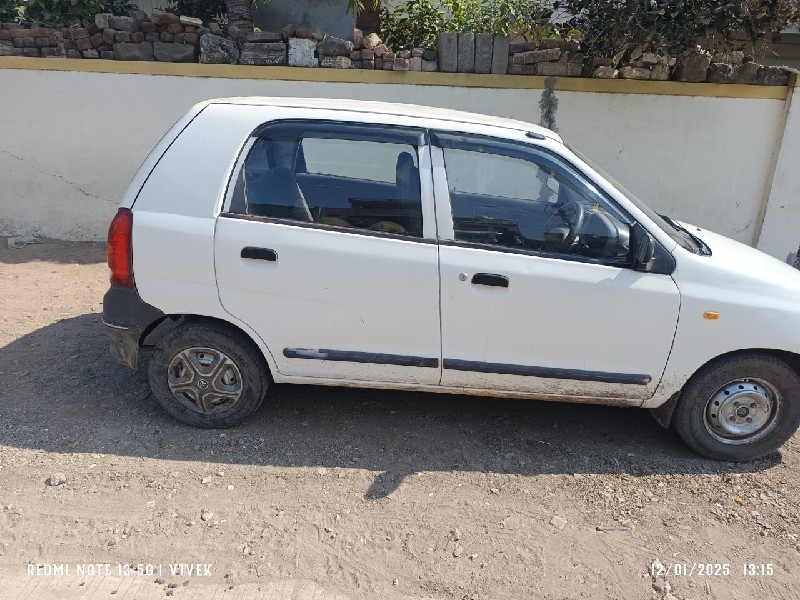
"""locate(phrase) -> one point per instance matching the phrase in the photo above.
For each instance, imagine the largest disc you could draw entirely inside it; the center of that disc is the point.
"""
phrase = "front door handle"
(260, 253)
(490, 279)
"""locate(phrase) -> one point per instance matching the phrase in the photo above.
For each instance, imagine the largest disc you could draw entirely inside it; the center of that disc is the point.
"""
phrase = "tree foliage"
(62, 13)
(412, 24)
(9, 11)
(675, 25)
(417, 23)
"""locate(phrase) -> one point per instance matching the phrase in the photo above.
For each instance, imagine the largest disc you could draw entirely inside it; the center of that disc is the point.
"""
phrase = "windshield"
(681, 237)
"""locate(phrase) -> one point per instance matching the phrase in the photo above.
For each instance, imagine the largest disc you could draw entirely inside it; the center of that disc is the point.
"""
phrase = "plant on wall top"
(676, 25)
(412, 24)
(497, 16)
(476, 16)
(9, 11)
(417, 23)
(65, 13)
(354, 7)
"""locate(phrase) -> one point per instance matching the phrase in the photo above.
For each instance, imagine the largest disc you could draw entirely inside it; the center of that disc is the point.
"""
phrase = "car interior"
(567, 224)
(276, 182)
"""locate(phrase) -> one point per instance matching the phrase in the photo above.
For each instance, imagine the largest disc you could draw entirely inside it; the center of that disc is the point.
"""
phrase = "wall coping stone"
(469, 80)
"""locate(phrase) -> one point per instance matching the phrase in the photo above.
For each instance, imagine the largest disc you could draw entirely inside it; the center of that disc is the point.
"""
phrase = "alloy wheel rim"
(204, 380)
(742, 411)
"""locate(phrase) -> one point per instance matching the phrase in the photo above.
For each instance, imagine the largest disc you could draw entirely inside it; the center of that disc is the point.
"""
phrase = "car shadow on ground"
(64, 393)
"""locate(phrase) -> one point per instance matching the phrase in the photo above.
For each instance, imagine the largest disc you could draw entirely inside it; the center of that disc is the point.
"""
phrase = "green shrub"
(413, 24)
(8, 11)
(496, 16)
(65, 13)
(466, 15)
(607, 27)
(354, 7)
(610, 26)
(417, 23)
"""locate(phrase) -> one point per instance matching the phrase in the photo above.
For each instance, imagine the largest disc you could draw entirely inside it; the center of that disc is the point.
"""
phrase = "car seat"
(275, 193)
(406, 177)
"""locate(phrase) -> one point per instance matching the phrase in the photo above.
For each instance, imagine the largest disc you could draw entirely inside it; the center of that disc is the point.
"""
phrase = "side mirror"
(643, 247)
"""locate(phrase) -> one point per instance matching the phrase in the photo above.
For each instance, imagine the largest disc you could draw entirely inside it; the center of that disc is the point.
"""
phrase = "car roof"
(392, 108)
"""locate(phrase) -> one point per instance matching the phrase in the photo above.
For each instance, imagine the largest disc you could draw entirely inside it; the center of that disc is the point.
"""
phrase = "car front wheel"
(739, 407)
(207, 375)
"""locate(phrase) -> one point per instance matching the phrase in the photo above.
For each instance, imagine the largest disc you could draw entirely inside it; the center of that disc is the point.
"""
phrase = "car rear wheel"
(739, 407)
(207, 375)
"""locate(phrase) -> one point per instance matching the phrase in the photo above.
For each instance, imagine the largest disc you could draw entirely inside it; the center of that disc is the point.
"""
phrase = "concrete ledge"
(566, 84)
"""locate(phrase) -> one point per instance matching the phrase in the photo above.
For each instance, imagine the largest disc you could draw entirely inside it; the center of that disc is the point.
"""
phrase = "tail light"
(118, 249)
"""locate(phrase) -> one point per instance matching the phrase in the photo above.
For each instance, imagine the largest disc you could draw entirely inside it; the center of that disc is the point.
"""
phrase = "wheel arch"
(151, 336)
(663, 413)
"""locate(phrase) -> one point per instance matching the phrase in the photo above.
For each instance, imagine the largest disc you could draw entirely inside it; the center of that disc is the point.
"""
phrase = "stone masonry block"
(484, 44)
(448, 52)
(500, 55)
(466, 52)
(301, 53)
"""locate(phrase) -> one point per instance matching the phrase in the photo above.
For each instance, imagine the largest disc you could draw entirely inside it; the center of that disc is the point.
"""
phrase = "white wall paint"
(701, 160)
(72, 141)
(780, 235)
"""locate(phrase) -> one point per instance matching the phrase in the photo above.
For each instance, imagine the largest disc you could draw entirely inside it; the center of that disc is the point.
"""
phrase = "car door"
(537, 293)
(326, 247)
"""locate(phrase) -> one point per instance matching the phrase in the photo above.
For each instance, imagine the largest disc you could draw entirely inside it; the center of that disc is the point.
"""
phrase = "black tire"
(766, 376)
(249, 374)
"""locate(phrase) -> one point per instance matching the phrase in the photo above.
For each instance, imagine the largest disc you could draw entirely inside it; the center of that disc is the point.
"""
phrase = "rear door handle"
(490, 279)
(260, 253)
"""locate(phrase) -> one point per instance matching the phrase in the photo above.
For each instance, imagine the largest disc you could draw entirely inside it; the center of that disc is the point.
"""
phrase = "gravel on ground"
(361, 493)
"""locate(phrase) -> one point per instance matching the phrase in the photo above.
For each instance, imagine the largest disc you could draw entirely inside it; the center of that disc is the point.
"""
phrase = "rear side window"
(351, 177)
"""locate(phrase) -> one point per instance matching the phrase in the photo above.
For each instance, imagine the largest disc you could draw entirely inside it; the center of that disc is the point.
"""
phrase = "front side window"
(351, 179)
(517, 203)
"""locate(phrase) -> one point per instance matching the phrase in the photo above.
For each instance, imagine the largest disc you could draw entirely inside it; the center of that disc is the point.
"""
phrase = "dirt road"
(364, 494)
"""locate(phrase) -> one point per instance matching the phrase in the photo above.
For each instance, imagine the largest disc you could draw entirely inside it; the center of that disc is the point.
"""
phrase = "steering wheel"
(574, 216)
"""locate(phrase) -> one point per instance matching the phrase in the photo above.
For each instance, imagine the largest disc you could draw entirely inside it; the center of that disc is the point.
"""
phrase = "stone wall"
(16, 41)
(161, 36)
(564, 59)
(165, 37)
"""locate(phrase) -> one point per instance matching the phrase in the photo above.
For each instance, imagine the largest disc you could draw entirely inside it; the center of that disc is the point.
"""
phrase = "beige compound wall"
(71, 140)
(780, 230)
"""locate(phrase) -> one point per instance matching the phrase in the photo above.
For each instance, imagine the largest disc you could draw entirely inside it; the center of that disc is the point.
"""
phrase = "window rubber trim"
(537, 253)
(324, 227)
(343, 130)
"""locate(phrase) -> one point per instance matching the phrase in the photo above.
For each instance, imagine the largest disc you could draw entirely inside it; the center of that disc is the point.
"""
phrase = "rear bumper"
(127, 319)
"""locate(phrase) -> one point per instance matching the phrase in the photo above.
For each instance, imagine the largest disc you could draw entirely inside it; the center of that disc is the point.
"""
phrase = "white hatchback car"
(396, 246)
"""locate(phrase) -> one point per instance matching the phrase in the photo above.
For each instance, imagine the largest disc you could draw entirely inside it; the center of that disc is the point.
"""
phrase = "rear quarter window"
(340, 181)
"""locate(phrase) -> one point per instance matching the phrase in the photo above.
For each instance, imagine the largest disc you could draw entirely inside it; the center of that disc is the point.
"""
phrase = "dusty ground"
(367, 494)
